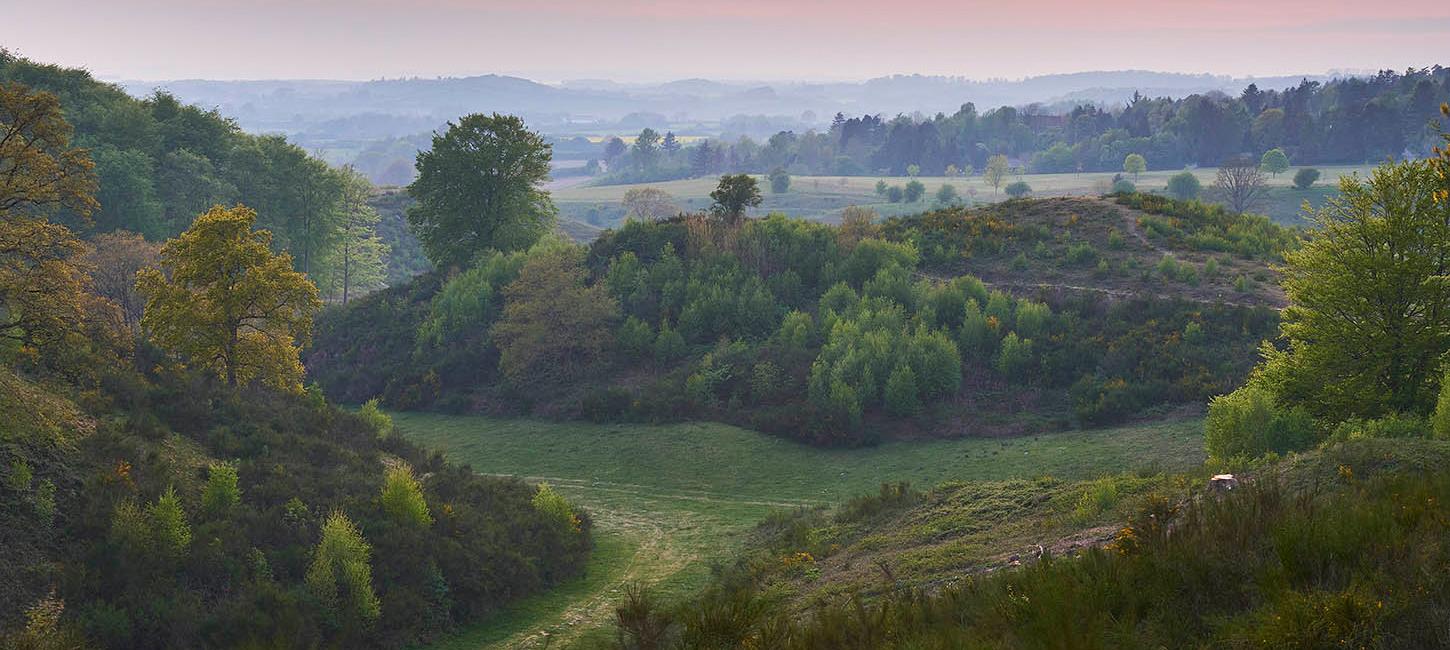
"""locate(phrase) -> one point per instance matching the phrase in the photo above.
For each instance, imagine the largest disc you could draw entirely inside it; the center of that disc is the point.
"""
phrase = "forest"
(1351, 120)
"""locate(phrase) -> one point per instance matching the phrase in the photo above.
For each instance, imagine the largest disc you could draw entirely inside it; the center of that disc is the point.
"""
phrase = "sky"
(642, 40)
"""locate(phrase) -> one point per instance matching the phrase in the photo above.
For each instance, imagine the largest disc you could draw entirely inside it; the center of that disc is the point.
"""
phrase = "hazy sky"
(741, 39)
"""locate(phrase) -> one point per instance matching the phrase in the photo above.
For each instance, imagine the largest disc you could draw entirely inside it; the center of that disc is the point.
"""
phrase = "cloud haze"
(744, 39)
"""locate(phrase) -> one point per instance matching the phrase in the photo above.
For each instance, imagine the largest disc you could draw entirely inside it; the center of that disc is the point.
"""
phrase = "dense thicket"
(1353, 120)
(828, 334)
(159, 163)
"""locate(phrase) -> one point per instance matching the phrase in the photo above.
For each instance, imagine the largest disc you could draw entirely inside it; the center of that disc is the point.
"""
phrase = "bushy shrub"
(379, 422)
(1032, 318)
(913, 191)
(1124, 186)
(797, 331)
(556, 508)
(221, 493)
(1390, 426)
(1018, 189)
(669, 345)
(1184, 186)
(635, 338)
(402, 498)
(1082, 254)
(1305, 177)
(1249, 423)
(608, 404)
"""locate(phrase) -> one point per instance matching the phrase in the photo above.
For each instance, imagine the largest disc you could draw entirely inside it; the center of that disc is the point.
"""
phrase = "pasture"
(670, 501)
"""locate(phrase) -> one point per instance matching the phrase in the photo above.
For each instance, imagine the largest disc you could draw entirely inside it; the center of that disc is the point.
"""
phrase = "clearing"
(668, 501)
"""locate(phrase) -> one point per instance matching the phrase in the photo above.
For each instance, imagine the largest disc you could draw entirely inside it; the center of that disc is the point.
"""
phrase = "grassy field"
(823, 197)
(670, 501)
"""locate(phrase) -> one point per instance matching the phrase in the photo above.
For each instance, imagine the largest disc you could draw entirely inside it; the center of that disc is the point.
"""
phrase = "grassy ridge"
(671, 501)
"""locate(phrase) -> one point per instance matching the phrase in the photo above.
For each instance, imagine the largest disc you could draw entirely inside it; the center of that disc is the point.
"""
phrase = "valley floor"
(669, 501)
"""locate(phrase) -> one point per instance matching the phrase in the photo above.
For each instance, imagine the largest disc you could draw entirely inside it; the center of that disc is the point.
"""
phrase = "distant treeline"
(1354, 120)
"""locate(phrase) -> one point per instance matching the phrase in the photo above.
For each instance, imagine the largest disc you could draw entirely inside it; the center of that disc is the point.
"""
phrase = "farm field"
(668, 501)
(823, 197)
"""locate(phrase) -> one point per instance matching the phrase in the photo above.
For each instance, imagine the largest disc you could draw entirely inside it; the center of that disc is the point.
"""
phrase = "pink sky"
(743, 39)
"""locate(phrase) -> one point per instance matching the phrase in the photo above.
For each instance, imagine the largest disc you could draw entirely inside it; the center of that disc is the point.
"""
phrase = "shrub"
(914, 191)
(797, 332)
(1124, 186)
(1249, 423)
(168, 524)
(1306, 177)
(402, 498)
(1018, 189)
(947, 194)
(555, 507)
(343, 558)
(1032, 318)
(381, 423)
(766, 381)
(902, 397)
(1394, 425)
(1184, 186)
(895, 194)
(1082, 254)
(779, 181)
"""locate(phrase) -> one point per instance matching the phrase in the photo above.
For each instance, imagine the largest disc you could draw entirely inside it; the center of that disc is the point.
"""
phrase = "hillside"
(1089, 298)
(1333, 547)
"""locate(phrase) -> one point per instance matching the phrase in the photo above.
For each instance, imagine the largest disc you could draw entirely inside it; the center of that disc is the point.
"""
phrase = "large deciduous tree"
(1240, 183)
(649, 203)
(1368, 325)
(40, 172)
(997, 170)
(223, 300)
(114, 260)
(478, 189)
(733, 195)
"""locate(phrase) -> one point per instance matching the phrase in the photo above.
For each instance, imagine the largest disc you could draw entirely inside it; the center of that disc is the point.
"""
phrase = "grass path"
(669, 501)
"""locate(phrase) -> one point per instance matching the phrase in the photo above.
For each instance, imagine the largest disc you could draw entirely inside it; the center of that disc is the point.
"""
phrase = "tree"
(670, 145)
(554, 326)
(1440, 420)
(44, 288)
(221, 493)
(646, 150)
(1184, 186)
(1275, 162)
(170, 531)
(1306, 177)
(40, 172)
(914, 191)
(555, 508)
(1019, 189)
(226, 302)
(341, 573)
(114, 259)
(613, 150)
(881, 187)
(402, 498)
(1248, 423)
(996, 171)
(1240, 183)
(649, 203)
(1134, 164)
(359, 261)
(1014, 359)
(779, 181)
(1368, 322)
(857, 223)
(913, 170)
(947, 195)
(733, 195)
(478, 189)
(895, 194)
(901, 394)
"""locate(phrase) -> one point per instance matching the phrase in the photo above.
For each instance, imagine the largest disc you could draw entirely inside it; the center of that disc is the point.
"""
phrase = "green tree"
(226, 302)
(358, 261)
(169, 529)
(1368, 321)
(646, 150)
(895, 194)
(902, 397)
(402, 498)
(222, 492)
(947, 195)
(881, 187)
(914, 191)
(478, 189)
(1019, 189)
(913, 170)
(1306, 177)
(779, 181)
(380, 422)
(669, 344)
(1014, 359)
(1134, 164)
(1184, 186)
(733, 196)
(554, 325)
(996, 171)
(1274, 161)
(341, 574)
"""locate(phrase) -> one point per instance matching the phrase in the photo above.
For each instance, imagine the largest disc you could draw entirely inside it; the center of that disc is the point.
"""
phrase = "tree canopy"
(478, 189)
(224, 301)
(734, 194)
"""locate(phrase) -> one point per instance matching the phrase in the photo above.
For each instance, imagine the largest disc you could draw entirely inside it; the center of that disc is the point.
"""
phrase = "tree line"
(1351, 120)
